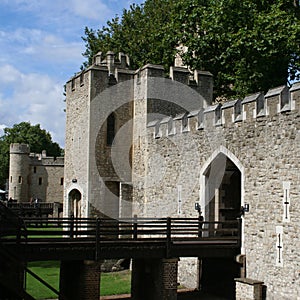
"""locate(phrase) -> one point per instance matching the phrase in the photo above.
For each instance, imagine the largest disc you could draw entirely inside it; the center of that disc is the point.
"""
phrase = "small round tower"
(19, 172)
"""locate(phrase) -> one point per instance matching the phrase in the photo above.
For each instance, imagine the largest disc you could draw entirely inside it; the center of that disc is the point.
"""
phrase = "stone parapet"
(17, 148)
(248, 289)
(276, 102)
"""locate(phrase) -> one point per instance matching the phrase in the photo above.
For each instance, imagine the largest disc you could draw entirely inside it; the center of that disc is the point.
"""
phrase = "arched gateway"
(221, 184)
(75, 203)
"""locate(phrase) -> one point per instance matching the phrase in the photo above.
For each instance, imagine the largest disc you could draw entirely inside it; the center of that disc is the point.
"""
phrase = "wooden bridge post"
(135, 228)
(12, 276)
(169, 233)
(98, 220)
(55, 210)
(72, 226)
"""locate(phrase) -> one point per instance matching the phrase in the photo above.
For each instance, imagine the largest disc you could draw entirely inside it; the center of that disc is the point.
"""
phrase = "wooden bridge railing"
(126, 229)
(35, 209)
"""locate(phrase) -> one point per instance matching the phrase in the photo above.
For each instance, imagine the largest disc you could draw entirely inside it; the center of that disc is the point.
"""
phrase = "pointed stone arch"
(222, 187)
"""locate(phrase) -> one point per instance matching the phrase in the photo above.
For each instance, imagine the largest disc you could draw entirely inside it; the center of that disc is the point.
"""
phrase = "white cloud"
(2, 126)
(37, 99)
(41, 45)
(63, 11)
(38, 38)
(10, 74)
(53, 48)
(90, 9)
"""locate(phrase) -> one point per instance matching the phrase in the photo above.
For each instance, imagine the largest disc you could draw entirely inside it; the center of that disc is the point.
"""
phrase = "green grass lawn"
(48, 271)
(115, 283)
(111, 283)
(49, 232)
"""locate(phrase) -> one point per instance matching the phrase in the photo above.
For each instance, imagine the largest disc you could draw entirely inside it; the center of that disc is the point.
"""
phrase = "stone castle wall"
(172, 143)
(35, 175)
(91, 97)
(261, 135)
(76, 143)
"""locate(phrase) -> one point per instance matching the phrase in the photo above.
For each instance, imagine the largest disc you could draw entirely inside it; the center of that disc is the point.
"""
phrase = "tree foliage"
(142, 32)
(38, 140)
(248, 45)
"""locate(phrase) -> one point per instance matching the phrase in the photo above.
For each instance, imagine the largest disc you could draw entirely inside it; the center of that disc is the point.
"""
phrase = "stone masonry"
(172, 147)
(33, 175)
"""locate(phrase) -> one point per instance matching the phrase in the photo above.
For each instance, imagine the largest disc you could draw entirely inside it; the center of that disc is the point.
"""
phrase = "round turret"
(19, 172)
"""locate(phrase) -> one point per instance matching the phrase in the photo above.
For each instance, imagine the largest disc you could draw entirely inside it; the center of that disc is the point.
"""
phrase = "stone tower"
(35, 175)
(108, 107)
(19, 172)
(97, 106)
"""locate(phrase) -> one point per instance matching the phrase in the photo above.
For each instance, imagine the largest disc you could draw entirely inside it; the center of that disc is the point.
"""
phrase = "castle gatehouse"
(139, 143)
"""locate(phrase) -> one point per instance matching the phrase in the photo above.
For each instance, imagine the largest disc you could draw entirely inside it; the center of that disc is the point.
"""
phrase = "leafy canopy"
(142, 32)
(38, 140)
(248, 45)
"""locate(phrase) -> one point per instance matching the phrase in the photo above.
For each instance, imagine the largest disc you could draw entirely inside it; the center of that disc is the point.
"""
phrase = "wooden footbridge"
(28, 209)
(90, 239)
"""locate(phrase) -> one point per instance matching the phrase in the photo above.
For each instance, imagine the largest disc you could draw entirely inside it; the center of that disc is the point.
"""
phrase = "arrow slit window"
(110, 133)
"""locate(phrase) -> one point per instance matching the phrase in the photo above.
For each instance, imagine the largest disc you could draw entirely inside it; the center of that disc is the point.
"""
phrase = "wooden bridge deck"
(32, 209)
(96, 239)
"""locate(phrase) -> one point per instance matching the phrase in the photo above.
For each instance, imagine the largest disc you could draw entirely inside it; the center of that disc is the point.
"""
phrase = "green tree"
(249, 45)
(38, 140)
(142, 32)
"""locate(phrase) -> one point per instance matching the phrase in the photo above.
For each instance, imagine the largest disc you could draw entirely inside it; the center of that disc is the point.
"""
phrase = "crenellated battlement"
(276, 101)
(34, 158)
(112, 61)
(112, 68)
(43, 160)
(17, 148)
(199, 81)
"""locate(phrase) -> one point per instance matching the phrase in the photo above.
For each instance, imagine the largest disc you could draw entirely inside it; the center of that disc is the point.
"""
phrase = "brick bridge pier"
(151, 279)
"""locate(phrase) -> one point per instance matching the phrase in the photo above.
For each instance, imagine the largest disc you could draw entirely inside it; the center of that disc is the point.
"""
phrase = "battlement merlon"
(276, 101)
(200, 81)
(46, 161)
(17, 148)
(116, 67)
(110, 60)
(38, 159)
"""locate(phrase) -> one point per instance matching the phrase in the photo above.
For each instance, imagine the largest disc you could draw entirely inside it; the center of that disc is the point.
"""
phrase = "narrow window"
(40, 180)
(81, 79)
(10, 178)
(34, 169)
(110, 134)
(73, 84)
(20, 179)
(61, 181)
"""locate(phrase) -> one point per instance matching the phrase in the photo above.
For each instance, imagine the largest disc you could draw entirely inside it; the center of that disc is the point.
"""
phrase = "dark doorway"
(75, 203)
(223, 191)
(218, 277)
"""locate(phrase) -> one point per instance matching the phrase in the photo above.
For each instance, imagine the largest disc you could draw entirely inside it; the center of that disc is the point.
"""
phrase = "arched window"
(110, 133)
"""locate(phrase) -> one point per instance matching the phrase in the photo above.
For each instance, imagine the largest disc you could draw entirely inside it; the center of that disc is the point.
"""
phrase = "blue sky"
(40, 49)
